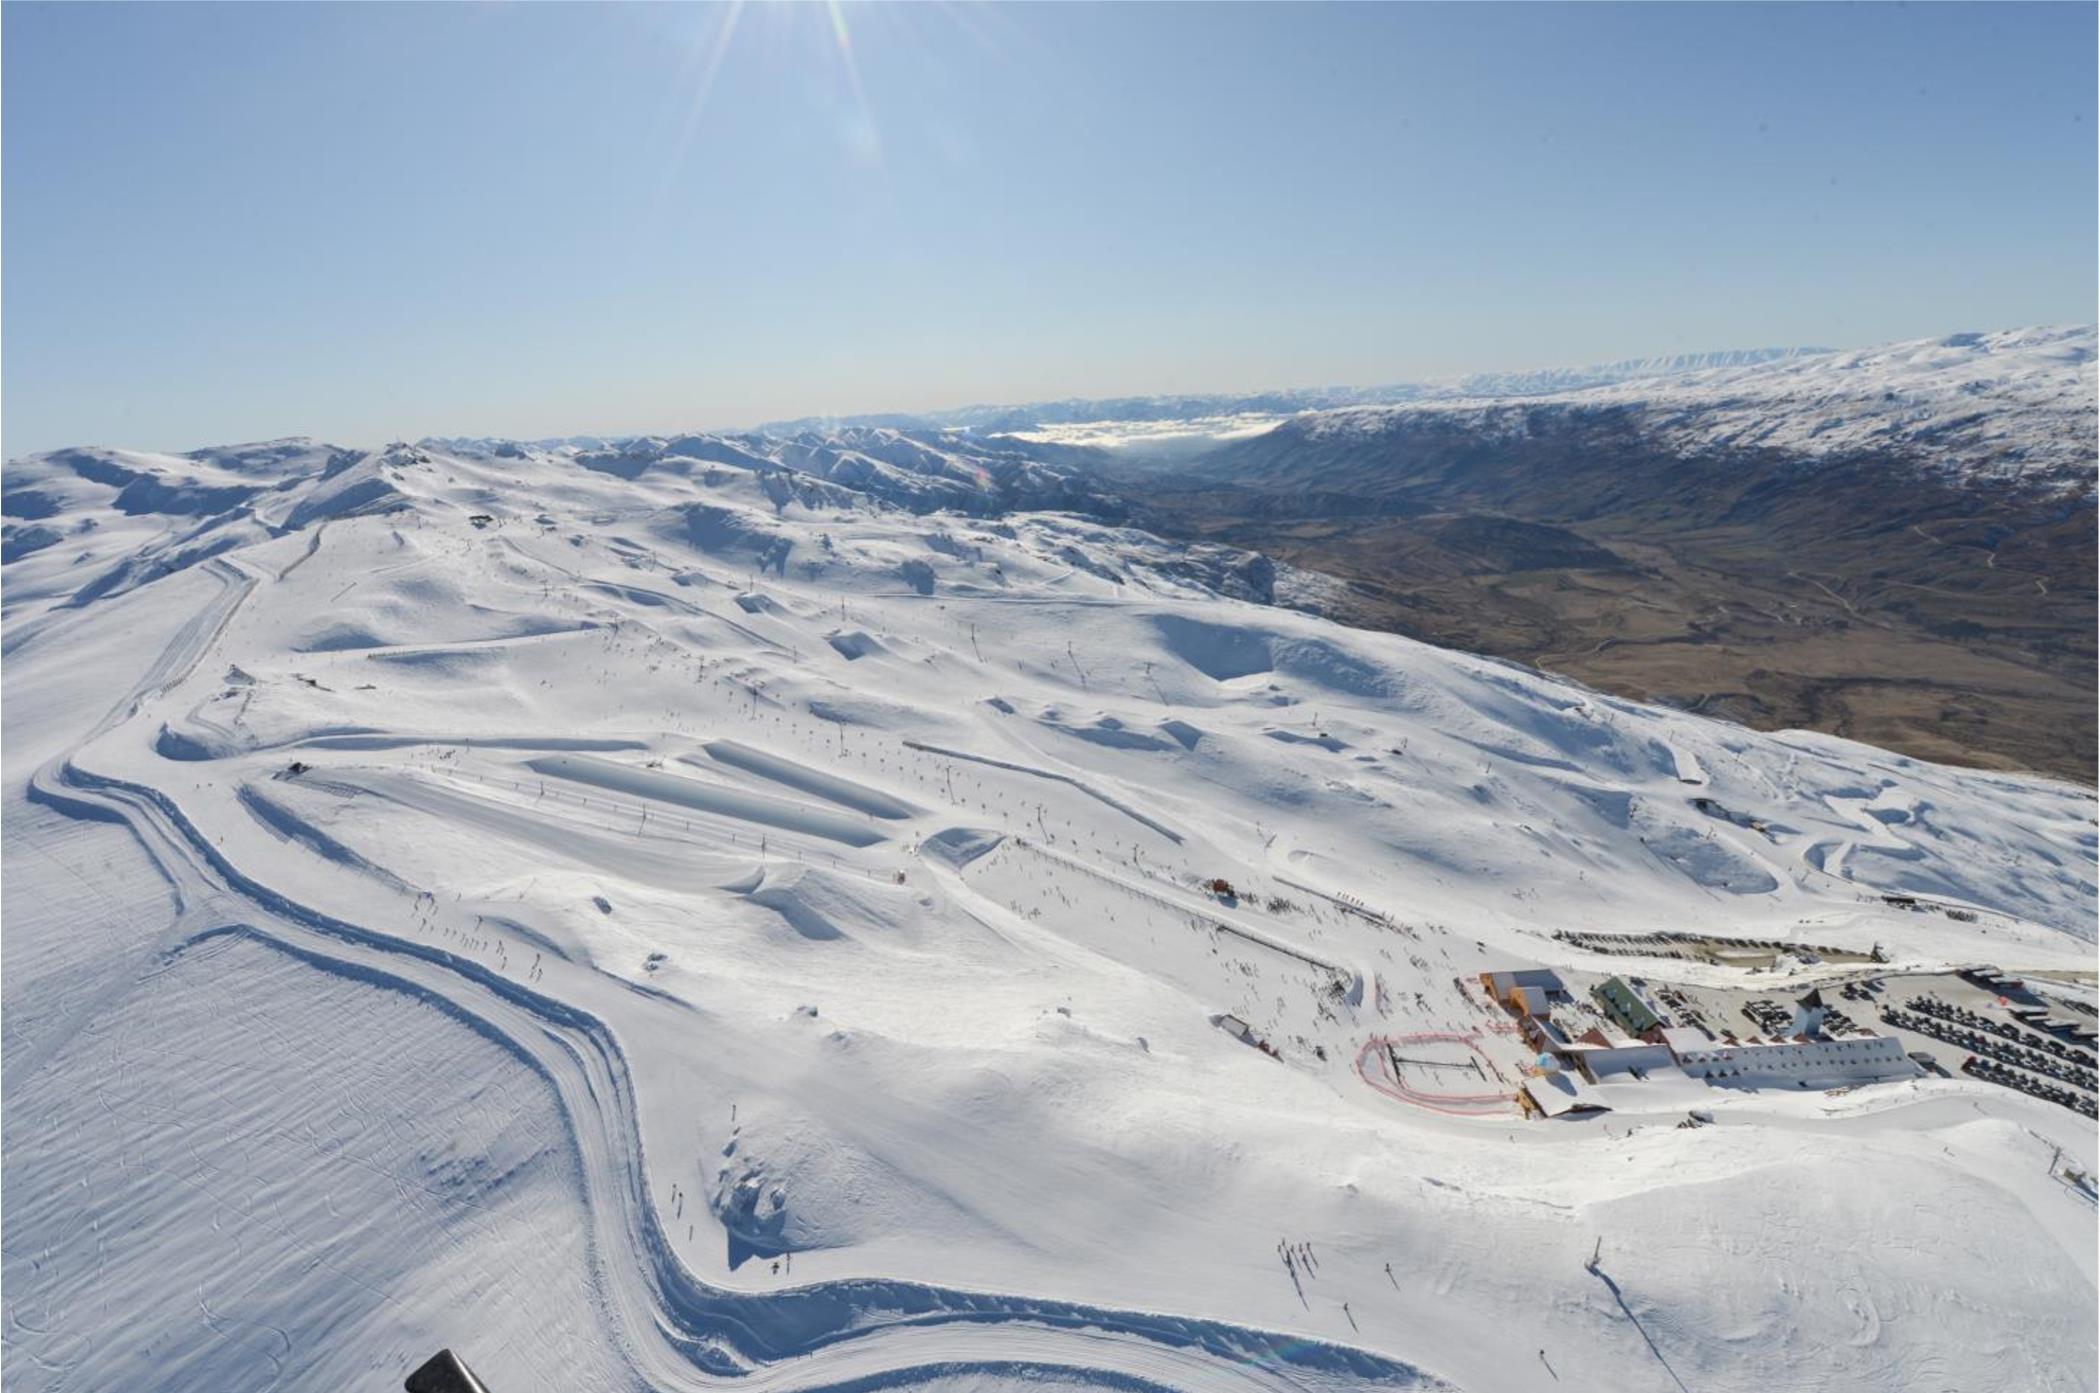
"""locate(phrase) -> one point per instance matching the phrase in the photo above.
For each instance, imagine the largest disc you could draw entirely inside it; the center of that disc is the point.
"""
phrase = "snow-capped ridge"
(2013, 406)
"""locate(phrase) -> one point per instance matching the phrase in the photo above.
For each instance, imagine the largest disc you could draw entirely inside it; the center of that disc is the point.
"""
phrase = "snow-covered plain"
(1174, 436)
(674, 919)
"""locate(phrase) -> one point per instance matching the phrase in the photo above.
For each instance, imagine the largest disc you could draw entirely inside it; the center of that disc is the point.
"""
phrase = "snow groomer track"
(679, 1331)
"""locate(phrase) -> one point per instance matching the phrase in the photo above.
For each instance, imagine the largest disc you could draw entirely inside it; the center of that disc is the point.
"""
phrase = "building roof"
(1529, 999)
(1626, 1058)
(1538, 1029)
(1660, 1087)
(2011, 988)
(1561, 1093)
(1635, 1014)
(1686, 1037)
(1544, 978)
(1595, 1040)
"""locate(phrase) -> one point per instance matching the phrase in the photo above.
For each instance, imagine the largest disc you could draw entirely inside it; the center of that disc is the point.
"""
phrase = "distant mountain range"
(2012, 405)
(1895, 543)
(1784, 536)
(1288, 401)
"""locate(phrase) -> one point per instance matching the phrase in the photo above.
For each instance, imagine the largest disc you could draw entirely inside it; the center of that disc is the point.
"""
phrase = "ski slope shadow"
(1613, 1287)
(721, 801)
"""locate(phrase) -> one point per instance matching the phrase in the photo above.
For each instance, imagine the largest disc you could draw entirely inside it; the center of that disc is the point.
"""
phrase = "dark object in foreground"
(444, 1372)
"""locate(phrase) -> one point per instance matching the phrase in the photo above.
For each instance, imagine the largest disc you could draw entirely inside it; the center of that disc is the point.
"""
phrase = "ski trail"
(1088, 789)
(680, 1332)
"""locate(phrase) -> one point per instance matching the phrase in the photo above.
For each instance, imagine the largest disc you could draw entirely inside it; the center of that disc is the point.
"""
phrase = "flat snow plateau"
(702, 926)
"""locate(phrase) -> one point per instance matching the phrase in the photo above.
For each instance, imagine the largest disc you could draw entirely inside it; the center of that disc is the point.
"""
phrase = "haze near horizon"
(362, 222)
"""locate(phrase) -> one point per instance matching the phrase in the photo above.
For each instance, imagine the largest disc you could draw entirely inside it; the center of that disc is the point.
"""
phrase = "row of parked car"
(1777, 1018)
(1685, 1010)
(1989, 1046)
(1772, 1017)
(2012, 1078)
(2005, 1030)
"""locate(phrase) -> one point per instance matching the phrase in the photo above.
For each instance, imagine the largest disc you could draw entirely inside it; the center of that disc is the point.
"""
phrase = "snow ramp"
(708, 798)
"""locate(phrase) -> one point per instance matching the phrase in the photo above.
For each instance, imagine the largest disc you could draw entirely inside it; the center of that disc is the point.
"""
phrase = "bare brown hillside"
(1942, 618)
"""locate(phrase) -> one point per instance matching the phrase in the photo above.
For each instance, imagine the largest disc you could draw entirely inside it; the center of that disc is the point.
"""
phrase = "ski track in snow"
(682, 1333)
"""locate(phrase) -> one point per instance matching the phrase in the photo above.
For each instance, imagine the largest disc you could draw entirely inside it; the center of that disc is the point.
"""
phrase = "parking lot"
(1940, 1017)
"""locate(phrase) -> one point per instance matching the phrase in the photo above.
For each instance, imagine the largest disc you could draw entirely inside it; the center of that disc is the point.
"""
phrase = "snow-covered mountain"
(922, 470)
(1541, 381)
(155, 513)
(2016, 406)
(738, 911)
(1121, 420)
(1937, 497)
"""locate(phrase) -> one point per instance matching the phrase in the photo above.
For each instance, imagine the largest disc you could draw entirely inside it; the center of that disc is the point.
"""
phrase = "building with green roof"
(1633, 1015)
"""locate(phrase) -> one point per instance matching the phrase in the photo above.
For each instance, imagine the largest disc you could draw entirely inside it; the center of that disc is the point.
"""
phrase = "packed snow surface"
(660, 917)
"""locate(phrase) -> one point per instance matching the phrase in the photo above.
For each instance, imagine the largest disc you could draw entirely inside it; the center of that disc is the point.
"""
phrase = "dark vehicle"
(444, 1372)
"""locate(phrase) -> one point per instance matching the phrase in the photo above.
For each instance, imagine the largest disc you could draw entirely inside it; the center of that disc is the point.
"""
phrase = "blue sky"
(374, 221)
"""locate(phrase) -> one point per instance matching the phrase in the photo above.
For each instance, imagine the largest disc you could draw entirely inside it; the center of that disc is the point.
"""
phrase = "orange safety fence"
(1371, 1068)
